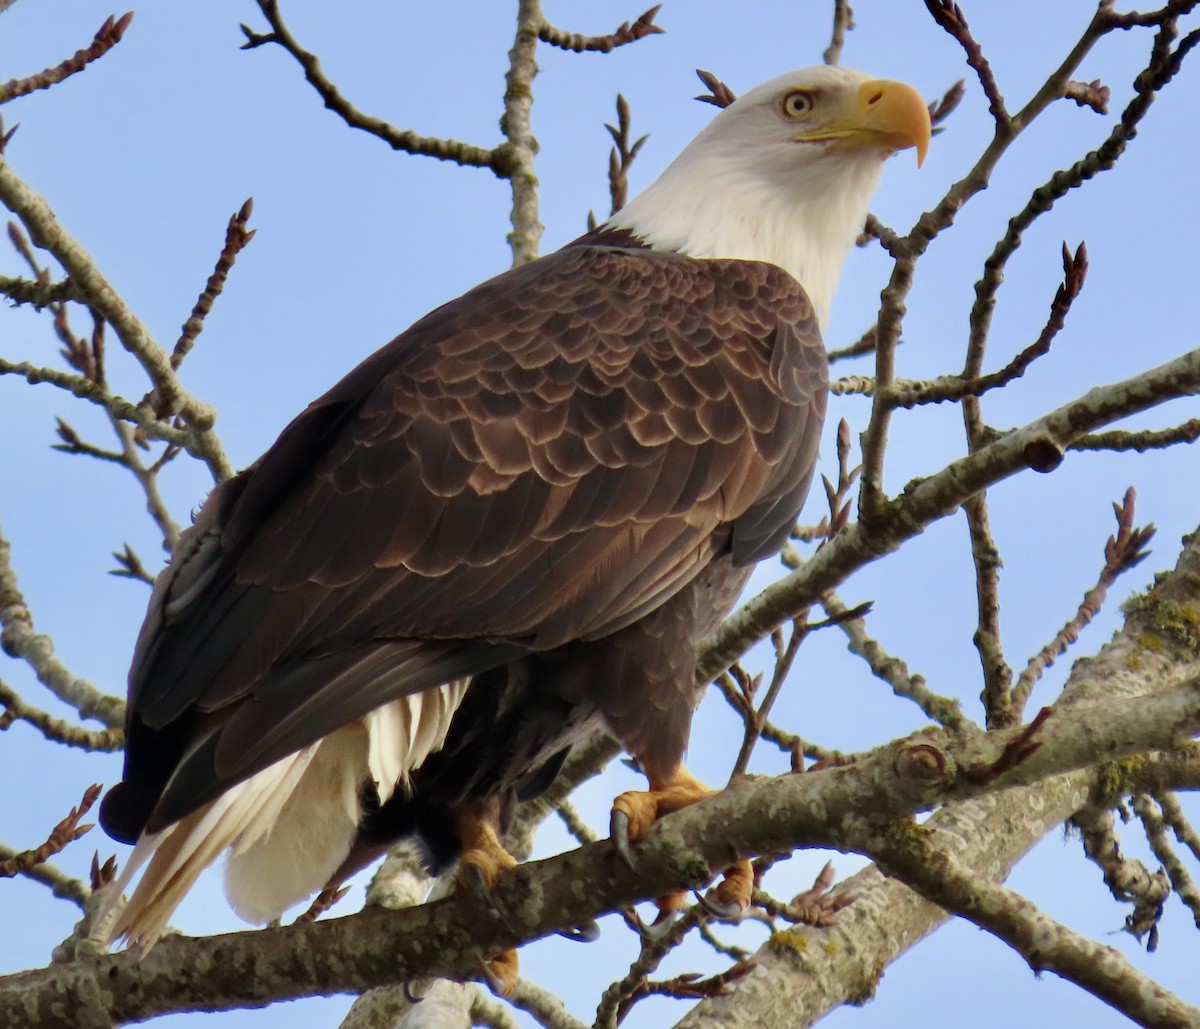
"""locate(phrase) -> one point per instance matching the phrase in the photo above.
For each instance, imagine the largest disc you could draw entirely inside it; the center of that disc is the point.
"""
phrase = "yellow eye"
(797, 104)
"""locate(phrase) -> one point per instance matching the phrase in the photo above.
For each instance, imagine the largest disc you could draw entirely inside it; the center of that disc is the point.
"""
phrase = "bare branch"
(19, 640)
(894, 671)
(1151, 816)
(641, 28)
(67, 831)
(1092, 94)
(1123, 551)
(620, 159)
(1129, 881)
(107, 36)
(61, 885)
(57, 730)
(398, 139)
(236, 238)
(950, 17)
(169, 396)
(843, 22)
(985, 556)
(719, 95)
(933, 498)
(1140, 442)
(1045, 944)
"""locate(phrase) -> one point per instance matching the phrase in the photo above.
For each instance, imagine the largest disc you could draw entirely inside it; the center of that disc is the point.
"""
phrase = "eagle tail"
(288, 828)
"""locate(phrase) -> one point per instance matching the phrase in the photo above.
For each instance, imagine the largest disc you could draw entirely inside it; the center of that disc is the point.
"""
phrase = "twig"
(575, 823)
(545, 1008)
(927, 500)
(57, 730)
(756, 720)
(1151, 817)
(985, 555)
(950, 17)
(1122, 552)
(18, 640)
(236, 238)
(39, 294)
(61, 885)
(107, 36)
(626, 33)
(719, 95)
(1092, 94)
(67, 831)
(614, 1001)
(1129, 881)
(864, 345)
(892, 670)
(398, 139)
(1173, 814)
(843, 21)
(169, 397)
(1150, 439)
(621, 156)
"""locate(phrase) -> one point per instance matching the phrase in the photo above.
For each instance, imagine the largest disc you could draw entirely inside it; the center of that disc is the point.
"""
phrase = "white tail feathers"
(288, 827)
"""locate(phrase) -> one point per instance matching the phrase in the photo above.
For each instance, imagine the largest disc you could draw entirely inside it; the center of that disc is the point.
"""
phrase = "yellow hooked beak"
(883, 114)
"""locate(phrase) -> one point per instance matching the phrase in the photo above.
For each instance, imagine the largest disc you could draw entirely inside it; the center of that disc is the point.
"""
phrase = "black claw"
(657, 929)
(585, 932)
(414, 990)
(718, 909)
(495, 983)
(618, 829)
(472, 875)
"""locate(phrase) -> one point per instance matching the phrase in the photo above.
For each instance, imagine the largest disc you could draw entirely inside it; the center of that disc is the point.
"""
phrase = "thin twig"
(236, 238)
(950, 17)
(628, 32)
(67, 831)
(398, 139)
(1122, 552)
(893, 671)
(1118, 440)
(622, 155)
(1151, 817)
(19, 640)
(107, 36)
(843, 22)
(57, 730)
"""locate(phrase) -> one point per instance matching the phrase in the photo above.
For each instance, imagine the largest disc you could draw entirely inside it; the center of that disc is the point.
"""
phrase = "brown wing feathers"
(546, 459)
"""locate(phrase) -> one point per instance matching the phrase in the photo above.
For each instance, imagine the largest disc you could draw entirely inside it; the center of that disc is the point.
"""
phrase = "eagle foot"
(635, 812)
(733, 893)
(501, 972)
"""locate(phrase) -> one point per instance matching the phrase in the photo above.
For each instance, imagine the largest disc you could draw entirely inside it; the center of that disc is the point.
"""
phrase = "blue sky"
(146, 154)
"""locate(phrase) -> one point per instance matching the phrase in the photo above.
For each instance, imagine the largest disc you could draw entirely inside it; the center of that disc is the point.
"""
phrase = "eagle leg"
(483, 861)
(635, 812)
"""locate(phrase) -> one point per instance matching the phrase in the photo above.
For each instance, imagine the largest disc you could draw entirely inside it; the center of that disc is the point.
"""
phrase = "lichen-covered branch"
(919, 859)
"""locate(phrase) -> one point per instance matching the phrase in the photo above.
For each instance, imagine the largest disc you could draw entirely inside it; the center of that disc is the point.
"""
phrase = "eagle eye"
(797, 103)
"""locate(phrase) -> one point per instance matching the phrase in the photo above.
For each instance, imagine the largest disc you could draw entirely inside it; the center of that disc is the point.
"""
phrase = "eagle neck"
(802, 218)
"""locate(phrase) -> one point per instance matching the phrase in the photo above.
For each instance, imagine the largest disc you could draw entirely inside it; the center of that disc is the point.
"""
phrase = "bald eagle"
(509, 525)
